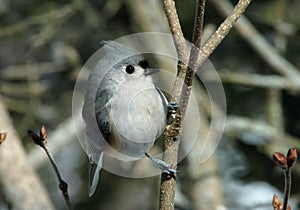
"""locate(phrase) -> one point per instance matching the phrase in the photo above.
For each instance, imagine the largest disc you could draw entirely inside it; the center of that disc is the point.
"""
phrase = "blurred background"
(44, 44)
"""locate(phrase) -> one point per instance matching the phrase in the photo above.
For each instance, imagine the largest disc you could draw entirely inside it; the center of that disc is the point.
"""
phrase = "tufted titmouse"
(124, 112)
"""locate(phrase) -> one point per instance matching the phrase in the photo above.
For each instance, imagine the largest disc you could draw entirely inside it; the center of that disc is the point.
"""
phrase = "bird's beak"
(150, 71)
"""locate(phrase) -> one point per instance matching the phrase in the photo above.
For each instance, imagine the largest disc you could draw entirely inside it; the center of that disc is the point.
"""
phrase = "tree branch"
(223, 30)
(192, 67)
(172, 132)
(181, 48)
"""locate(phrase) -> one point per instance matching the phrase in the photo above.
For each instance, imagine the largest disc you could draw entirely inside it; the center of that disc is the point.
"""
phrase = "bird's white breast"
(138, 115)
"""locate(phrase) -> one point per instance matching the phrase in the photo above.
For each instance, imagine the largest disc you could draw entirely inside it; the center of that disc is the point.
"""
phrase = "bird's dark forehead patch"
(144, 64)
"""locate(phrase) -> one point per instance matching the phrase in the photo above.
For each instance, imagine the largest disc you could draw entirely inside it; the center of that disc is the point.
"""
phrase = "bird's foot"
(173, 105)
(165, 167)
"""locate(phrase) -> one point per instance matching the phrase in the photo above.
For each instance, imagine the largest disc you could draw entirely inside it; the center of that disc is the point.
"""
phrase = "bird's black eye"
(129, 69)
(144, 64)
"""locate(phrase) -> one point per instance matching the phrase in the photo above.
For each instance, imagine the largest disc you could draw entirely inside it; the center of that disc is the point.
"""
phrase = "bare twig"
(287, 187)
(259, 43)
(291, 160)
(62, 135)
(181, 48)
(223, 30)
(42, 142)
(198, 25)
(286, 163)
(192, 67)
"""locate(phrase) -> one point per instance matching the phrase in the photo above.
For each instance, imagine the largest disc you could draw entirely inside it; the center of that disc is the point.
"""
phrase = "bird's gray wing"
(102, 111)
(95, 114)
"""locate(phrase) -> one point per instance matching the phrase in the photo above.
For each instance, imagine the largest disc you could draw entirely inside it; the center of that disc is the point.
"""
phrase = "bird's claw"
(173, 105)
(165, 167)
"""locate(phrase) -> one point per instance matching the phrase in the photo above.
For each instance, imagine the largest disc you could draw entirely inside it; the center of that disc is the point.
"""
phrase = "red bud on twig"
(43, 132)
(291, 157)
(276, 203)
(36, 139)
(280, 160)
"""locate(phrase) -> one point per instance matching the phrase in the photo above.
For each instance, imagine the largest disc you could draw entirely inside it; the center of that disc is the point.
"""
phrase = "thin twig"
(198, 25)
(287, 187)
(285, 163)
(59, 138)
(181, 48)
(192, 63)
(62, 184)
(192, 67)
(42, 142)
(223, 30)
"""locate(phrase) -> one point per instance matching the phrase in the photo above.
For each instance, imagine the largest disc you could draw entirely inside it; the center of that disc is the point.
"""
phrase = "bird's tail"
(94, 169)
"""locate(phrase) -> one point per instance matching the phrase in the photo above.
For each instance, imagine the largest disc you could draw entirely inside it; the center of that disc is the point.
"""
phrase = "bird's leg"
(165, 167)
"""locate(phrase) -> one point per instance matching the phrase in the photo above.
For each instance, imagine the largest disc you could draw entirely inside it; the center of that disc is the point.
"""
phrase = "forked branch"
(185, 76)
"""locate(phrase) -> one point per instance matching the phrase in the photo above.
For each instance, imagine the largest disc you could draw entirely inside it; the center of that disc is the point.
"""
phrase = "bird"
(124, 111)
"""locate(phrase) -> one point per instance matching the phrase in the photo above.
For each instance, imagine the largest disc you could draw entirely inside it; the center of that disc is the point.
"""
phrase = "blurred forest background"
(44, 44)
